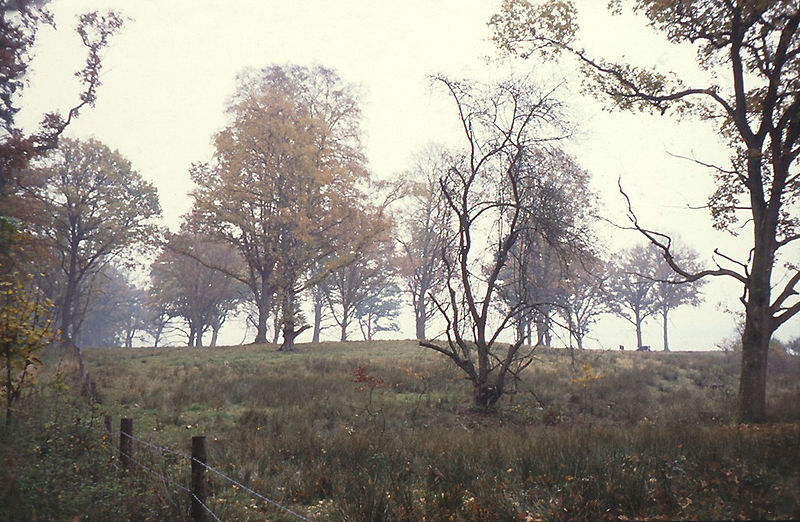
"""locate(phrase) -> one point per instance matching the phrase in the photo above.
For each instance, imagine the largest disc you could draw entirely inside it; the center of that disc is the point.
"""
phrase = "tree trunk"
(529, 328)
(214, 336)
(289, 332)
(751, 403)
(419, 318)
(261, 325)
(541, 330)
(317, 320)
(276, 327)
(343, 337)
(157, 336)
(638, 324)
(666, 338)
(485, 396)
(521, 325)
(759, 323)
(67, 308)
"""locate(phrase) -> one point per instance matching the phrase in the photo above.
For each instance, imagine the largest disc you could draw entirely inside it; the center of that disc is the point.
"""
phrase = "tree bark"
(68, 304)
(317, 320)
(214, 336)
(666, 338)
(638, 323)
(344, 325)
(759, 323)
(261, 325)
(419, 318)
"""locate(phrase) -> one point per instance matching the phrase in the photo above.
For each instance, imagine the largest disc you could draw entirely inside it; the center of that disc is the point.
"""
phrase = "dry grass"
(385, 431)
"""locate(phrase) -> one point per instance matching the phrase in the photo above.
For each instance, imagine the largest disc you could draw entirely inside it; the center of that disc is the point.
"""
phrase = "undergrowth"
(386, 432)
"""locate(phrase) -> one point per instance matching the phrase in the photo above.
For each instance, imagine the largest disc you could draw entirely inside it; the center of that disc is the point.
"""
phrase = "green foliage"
(57, 466)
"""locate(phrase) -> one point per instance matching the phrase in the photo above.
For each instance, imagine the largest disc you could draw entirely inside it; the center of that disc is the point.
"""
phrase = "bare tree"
(486, 191)
(749, 53)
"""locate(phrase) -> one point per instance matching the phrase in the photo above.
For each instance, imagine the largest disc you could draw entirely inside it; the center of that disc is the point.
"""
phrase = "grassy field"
(385, 431)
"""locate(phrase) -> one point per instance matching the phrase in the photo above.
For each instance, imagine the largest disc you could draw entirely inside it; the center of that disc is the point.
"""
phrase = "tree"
(362, 290)
(321, 312)
(97, 208)
(20, 21)
(426, 234)
(670, 293)
(25, 329)
(379, 310)
(584, 298)
(184, 284)
(632, 295)
(554, 240)
(114, 310)
(487, 193)
(756, 46)
(283, 184)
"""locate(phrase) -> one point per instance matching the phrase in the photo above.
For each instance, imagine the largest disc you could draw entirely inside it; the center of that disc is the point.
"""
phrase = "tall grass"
(385, 431)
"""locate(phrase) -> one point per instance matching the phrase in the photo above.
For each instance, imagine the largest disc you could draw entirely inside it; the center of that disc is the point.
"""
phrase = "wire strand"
(259, 495)
(206, 507)
(209, 468)
(159, 447)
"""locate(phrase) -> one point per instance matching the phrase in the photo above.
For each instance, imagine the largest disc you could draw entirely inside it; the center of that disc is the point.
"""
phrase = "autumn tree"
(97, 208)
(283, 184)
(488, 191)
(749, 54)
(631, 293)
(20, 22)
(425, 235)
(185, 285)
(670, 292)
(25, 329)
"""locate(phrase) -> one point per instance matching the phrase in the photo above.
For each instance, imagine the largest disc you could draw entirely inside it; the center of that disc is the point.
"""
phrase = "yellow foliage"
(25, 329)
(587, 375)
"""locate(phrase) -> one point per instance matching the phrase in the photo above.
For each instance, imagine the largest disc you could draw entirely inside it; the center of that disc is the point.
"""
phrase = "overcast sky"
(169, 72)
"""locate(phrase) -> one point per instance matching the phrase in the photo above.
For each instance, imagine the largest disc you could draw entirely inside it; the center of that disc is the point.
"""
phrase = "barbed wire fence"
(164, 460)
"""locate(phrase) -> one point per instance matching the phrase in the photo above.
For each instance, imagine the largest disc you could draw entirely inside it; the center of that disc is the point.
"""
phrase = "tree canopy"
(749, 54)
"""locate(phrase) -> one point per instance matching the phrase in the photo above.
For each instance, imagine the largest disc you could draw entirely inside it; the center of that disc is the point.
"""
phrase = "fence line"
(262, 497)
(171, 451)
(163, 478)
(160, 448)
(203, 505)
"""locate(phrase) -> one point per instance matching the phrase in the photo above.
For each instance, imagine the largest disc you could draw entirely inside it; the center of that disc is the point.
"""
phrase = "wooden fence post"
(199, 457)
(125, 441)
